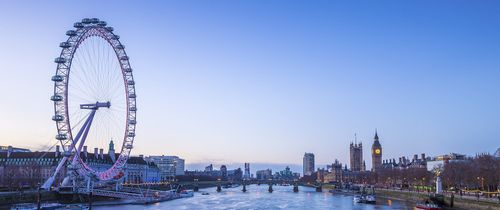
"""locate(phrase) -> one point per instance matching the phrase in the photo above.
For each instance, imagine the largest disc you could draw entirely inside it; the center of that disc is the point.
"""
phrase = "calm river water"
(257, 197)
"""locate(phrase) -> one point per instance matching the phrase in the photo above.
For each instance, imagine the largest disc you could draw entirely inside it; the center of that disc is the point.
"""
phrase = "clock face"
(377, 151)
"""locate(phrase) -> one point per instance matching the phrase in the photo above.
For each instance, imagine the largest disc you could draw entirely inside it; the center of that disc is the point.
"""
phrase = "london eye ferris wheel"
(94, 97)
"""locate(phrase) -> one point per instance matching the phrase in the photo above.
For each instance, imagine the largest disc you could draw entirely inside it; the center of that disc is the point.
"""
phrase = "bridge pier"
(295, 187)
(319, 187)
(270, 187)
(244, 187)
(196, 188)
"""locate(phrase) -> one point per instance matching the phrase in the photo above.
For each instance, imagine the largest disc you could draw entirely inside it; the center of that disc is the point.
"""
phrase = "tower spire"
(376, 135)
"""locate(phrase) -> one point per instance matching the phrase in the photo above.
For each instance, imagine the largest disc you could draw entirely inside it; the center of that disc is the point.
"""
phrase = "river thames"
(257, 197)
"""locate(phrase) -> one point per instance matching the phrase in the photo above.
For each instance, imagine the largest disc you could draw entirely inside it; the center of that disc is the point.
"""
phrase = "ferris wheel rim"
(85, 29)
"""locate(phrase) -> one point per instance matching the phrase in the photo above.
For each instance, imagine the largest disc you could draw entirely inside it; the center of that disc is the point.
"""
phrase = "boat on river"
(427, 206)
(186, 193)
(370, 199)
(358, 199)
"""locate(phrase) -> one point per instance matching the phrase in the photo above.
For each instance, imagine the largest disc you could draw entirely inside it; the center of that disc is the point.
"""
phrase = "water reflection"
(257, 197)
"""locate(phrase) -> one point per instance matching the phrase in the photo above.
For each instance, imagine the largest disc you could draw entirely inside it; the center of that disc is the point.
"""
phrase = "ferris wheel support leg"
(84, 137)
(88, 185)
(51, 179)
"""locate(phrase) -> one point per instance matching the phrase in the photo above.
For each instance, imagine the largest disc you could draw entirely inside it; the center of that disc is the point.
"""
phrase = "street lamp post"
(481, 180)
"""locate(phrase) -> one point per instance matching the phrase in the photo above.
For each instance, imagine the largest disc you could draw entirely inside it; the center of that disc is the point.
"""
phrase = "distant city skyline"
(264, 82)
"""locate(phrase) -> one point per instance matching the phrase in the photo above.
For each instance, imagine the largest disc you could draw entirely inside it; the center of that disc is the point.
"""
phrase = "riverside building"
(308, 164)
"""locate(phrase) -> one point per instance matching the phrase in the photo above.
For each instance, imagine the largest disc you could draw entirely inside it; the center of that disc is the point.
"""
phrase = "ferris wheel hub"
(95, 106)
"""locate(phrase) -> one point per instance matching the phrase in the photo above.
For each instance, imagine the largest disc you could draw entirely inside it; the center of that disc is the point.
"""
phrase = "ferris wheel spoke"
(81, 76)
(94, 80)
(84, 71)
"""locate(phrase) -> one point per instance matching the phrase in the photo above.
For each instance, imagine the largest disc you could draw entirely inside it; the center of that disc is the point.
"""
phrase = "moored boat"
(186, 193)
(427, 206)
(370, 199)
(358, 199)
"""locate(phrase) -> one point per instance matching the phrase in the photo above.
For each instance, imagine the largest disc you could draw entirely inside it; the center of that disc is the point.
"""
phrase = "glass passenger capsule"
(78, 25)
(56, 98)
(133, 108)
(132, 95)
(120, 46)
(131, 82)
(110, 29)
(65, 45)
(71, 33)
(124, 58)
(132, 122)
(61, 136)
(57, 78)
(86, 21)
(59, 60)
(131, 134)
(128, 70)
(94, 20)
(58, 118)
(102, 23)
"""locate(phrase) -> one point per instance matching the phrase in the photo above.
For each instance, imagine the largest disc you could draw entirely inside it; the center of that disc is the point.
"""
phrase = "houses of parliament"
(337, 173)
(356, 155)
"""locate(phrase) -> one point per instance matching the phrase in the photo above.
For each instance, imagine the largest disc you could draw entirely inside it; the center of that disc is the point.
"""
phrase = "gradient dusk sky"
(266, 81)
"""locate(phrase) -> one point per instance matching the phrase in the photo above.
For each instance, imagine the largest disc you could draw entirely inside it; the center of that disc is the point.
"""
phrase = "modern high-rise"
(264, 174)
(308, 164)
(356, 156)
(246, 175)
(170, 166)
(376, 153)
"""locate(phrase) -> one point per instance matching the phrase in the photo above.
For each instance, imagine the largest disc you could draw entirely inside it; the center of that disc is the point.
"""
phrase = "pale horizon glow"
(267, 81)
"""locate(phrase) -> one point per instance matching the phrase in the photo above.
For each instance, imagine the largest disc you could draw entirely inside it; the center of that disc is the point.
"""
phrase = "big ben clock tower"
(376, 153)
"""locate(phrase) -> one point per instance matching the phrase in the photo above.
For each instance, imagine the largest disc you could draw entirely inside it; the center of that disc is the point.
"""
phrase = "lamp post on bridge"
(219, 188)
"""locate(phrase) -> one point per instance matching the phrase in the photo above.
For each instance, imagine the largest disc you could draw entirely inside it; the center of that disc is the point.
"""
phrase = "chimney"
(423, 156)
(101, 153)
(9, 151)
(415, 157)
(400, 161)
(393, 160)
(58, 151)
(96, 153)
(85, 153)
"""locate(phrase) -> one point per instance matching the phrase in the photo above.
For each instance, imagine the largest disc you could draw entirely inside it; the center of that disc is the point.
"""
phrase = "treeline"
(403, 178)
(479, 173)
(482, 173)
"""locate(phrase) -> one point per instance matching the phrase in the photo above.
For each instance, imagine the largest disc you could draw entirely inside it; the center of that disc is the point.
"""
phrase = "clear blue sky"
(266, 81)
